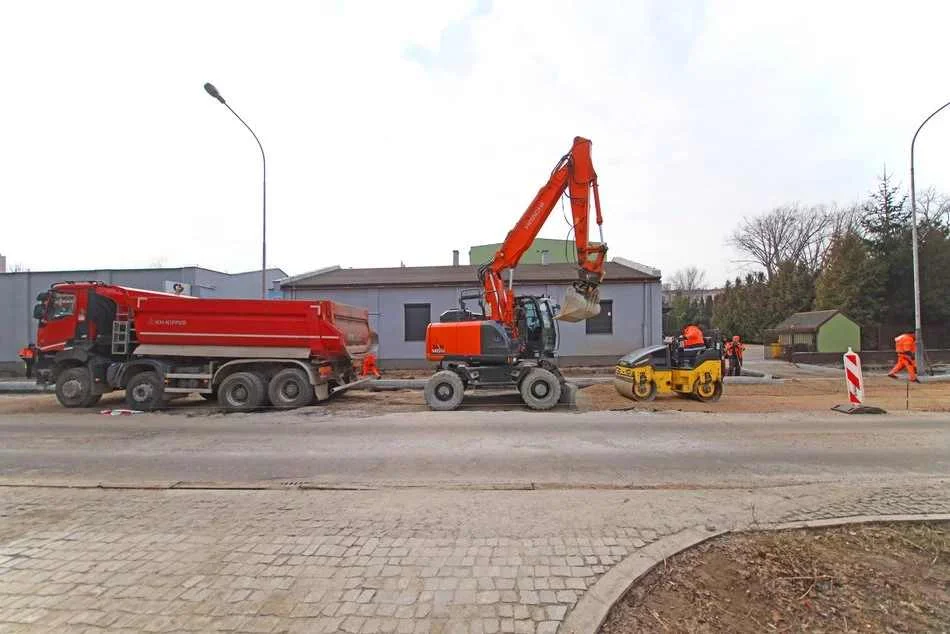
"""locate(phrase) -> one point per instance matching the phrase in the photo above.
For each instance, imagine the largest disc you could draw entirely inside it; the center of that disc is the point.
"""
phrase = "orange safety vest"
(369, 366)
(692, 336)
(739, 349)
(26, 353)
(905, 343)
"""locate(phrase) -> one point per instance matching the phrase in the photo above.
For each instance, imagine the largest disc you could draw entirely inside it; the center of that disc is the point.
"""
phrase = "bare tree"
(933, 207)
(688, 279)
(788, 233)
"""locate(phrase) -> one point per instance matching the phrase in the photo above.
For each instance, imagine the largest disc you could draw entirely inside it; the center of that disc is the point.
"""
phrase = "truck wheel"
(145, 391)
(290, 388)
(74, 388)
(540, 389)
(444, 391)
(241, 391)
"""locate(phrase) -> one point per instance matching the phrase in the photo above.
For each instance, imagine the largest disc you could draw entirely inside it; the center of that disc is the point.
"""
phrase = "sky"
(396, 132)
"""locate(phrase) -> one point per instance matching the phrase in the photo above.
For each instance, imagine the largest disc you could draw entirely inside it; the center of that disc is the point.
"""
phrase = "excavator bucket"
(579, 305)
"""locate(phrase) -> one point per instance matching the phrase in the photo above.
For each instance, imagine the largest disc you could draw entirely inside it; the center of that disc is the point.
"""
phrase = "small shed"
(818, 331)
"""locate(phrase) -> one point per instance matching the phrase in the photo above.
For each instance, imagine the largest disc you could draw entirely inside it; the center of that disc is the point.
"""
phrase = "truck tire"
(145, 391)
(540, 389)
(290, 388)
(444, 391)
(74, 388)
(242, 391)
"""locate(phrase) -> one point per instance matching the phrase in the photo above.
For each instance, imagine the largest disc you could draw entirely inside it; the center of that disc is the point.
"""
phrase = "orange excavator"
(512, 341)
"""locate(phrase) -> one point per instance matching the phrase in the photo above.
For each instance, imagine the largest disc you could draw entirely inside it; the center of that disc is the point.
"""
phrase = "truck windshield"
(61, 305)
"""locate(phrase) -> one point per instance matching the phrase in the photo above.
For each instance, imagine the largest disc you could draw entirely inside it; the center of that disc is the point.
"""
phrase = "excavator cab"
(537, 326)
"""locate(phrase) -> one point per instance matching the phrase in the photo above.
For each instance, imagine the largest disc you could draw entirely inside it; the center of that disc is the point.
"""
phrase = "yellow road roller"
(671, 369)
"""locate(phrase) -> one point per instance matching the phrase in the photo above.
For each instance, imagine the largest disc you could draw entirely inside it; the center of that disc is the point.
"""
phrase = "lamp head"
(211, 90)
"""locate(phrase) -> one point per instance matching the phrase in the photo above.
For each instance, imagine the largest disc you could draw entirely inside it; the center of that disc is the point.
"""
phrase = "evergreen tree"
(849, 282)
(884, 218)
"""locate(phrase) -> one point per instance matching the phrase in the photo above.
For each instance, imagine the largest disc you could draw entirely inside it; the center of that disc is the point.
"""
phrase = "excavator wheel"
(540, 389)
(707, 392)
(444, 391)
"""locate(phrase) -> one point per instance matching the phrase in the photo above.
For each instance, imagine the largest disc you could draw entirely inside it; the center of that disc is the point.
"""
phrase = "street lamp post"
(918, 332)
(211, 90)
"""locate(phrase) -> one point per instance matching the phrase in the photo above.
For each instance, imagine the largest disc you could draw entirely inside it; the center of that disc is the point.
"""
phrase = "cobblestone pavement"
(359, 561)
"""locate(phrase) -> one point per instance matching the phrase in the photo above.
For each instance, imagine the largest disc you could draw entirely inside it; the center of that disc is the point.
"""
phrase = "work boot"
(893, 376)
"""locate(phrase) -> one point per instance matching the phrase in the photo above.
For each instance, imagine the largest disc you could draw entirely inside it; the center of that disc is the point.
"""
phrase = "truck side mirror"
(39, 311)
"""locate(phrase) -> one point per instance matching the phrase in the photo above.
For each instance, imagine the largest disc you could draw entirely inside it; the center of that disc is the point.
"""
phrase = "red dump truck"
(93, 338)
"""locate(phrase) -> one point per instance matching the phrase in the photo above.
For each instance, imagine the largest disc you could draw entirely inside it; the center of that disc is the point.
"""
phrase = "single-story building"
(403, 300)
(818, 331)
(18, 291)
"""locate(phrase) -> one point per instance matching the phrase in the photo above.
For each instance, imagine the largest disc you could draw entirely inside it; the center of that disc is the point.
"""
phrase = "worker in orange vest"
(693, 337)
(734, 350)
(28, 355)
(369, 366)
(904, 345)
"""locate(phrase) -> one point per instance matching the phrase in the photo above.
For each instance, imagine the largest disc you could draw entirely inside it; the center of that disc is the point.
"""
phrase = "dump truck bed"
(326, 328)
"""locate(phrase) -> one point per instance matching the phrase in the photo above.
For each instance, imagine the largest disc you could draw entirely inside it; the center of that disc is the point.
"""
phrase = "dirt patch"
(791, 395)
(869, 578)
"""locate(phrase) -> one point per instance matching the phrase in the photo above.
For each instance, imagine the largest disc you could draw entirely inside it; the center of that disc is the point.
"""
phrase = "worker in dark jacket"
(735, 350)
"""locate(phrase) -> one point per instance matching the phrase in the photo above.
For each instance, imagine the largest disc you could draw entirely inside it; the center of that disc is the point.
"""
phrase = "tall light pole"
(211, 90)
(918, 332)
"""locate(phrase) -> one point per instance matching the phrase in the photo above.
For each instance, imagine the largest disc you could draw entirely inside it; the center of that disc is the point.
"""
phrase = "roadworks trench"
(789, 396)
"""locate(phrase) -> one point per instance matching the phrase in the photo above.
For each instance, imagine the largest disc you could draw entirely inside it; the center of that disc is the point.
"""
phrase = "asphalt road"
(477, 449)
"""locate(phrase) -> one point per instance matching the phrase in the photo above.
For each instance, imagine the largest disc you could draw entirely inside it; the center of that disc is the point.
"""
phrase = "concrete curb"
(24, 387)
(751, 380)
(594, 606)
(381, 385)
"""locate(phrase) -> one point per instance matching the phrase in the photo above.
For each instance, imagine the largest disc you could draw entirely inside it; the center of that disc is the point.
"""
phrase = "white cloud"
(401, 131)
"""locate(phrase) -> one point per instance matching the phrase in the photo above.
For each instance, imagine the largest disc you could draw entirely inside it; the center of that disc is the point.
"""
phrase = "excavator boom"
(574, 174)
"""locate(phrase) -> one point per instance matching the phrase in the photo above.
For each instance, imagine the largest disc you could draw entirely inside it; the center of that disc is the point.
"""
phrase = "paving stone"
(327, 562)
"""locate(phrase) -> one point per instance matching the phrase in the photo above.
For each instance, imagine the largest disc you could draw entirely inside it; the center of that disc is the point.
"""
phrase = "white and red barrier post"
(853, 377)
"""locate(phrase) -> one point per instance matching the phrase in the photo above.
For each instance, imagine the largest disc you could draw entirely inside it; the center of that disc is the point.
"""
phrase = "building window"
(602, 324)
(416, 320)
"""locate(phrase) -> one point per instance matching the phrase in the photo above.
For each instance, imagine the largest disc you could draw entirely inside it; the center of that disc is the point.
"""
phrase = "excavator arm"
(575, 174)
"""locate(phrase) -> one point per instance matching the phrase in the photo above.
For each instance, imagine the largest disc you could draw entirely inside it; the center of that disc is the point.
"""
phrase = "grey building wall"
(18, 293)
(637, 319)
